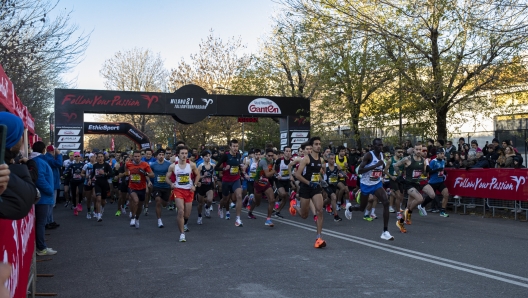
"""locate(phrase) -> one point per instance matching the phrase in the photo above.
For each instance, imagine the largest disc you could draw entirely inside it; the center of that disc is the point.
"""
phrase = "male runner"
(148, 158)
(123, 186)
(342, 162)
(283, 184)
(161, 189)
(88, 184)
(371, 171)
(205, 185)
(100, 174)
(396, 185)
(73, 172)
(333, 173)
(230, 165)
(251, 166)
(415, 167)
(66, 192)
(309, 176)
(262, 185)
(436, 181)
(183, 188)
(137, 171)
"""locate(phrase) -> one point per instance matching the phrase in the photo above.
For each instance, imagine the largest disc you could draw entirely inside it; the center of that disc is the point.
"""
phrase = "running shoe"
(146, 211)
(137, 223)
(399, 215)
(422, 210)
(401, 226)
(75, 212)
(338, 207)
(386, 236)
(199, 221)
(358, 197)
(319, 243)
(207, 212)
(228, 215)
(130, 214)
(185, 228)
(315, 218)
(160, 223)
(232, 205)
(348, 214)
(443, 214)
(337, 218)
(133, 222)
(67, 204)
(118, 213)
(293, 195)
(238, 223)
(251, 216)
(435, 211)
(328, 208)
(407, 217)
(88, 216)
(99, 218)
(79, 207)
(245, 201)
(391, 210)
(182, 237)
(277, 205)
(373, 216)
(292, 208)
(277, 215)
(367, 218)
(46, 252)
(269, 223)
(220, 212)
(123, 210)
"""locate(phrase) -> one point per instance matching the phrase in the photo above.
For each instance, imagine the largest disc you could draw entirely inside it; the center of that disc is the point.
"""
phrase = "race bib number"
(183, 179)
(161, 179)
(416, 174)
(285, 173)
(233, 170)
(375, 175)
(135, 178)
(263, 181)
(100, 173)
(333, 179)
(77, 177)
(440, 173)
(252, 174)
(206, 180)
(315, 178)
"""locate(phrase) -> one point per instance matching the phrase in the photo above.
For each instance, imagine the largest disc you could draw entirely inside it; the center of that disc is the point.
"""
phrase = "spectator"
(45, 186)
(495, 143)
(481, 161)
(54, 159)
(510, 154)
(491, 155)
(501, 160)
(450, 149)
(461, 144)
(16, 185)
(474, 146)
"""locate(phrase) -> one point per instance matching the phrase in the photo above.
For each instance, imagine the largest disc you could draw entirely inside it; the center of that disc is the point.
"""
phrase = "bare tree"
(36, 51)
(137, 70)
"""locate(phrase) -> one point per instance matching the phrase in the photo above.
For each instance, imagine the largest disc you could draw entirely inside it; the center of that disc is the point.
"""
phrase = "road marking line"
(410, 253)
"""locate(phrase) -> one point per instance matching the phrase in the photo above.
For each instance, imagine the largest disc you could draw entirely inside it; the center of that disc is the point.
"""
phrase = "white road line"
(411, 253)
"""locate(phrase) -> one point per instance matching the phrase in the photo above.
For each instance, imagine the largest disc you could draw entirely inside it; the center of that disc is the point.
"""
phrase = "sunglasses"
(270, 155)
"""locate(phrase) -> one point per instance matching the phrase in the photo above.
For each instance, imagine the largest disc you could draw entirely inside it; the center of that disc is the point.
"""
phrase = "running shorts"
(370, 189)
(438, 186)
(284, 184)
(203, 189)
(306, 192)
(185, 194)
(139, 193)
(230, 187)
(163, 193)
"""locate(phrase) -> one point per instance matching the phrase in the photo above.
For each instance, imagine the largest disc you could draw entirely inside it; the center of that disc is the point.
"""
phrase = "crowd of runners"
(309, 181)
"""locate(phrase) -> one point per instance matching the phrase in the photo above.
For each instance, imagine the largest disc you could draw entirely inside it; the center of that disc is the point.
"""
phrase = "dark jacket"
(482, 162)
(19, 197)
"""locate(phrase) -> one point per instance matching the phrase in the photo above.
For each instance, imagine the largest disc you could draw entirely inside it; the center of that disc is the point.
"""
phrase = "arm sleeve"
(17, 202)
(220, 163)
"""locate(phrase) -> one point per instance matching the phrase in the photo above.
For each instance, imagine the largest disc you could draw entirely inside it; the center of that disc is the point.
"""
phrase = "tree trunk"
(354, 114)
(441, 123)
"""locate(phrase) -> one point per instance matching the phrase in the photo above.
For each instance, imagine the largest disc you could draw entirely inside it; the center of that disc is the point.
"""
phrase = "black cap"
(440, 150)
(495, 140)
(160, 151)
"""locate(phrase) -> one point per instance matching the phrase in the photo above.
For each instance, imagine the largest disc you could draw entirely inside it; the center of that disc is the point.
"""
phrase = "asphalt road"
(459, 256)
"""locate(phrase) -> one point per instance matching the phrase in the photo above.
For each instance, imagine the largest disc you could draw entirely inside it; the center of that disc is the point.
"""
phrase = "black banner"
(121, 128)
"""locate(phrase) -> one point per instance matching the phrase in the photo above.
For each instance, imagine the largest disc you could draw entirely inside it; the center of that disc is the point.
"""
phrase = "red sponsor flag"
(112, 145)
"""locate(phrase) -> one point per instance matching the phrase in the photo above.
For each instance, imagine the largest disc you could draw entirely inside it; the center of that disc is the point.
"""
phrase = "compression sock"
(426, 200)
(185, 220)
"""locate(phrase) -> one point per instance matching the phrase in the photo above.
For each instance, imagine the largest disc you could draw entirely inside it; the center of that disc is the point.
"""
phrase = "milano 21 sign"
(189, 104)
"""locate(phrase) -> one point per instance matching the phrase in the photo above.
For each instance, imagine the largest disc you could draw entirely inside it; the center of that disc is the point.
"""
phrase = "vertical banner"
(17, 242)
(112, 145)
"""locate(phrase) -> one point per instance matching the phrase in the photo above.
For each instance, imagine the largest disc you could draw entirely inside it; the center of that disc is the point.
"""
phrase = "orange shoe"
(319, 243)
(292, 209)
(407, 217)
(400, 226)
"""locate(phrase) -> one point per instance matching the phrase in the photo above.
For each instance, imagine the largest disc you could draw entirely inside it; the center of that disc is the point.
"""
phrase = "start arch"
(189, 104)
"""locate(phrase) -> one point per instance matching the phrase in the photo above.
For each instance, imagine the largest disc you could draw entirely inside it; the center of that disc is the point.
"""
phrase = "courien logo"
(493, 184)
(263, 106)
(103, 127)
